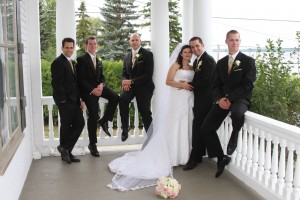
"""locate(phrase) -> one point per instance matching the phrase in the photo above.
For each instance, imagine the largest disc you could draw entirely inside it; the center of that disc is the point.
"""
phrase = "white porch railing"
(51, 140)
(267, 158)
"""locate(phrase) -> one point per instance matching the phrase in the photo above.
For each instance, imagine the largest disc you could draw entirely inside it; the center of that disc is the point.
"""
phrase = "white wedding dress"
(169, 145)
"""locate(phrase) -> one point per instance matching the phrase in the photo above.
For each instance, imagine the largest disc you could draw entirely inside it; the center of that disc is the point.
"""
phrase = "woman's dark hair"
(179, 57)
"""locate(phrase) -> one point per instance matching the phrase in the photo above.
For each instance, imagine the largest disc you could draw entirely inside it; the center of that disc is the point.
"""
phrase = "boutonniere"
(198, 67)
(74, 62)
(99, 61)
(236, 64)
(138, 57)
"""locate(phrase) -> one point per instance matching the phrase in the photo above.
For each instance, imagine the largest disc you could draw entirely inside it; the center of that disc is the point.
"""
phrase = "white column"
(65, 23)
(202, 22)
(34, 59)
(159, 45)
(187, 20)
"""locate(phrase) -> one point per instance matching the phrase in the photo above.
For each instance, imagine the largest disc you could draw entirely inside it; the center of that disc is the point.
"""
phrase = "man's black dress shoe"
(73, 158)
(125, 134)
(93, 150)
(65, 156)
(232, 143)
(104, 126)
(221, 165)
(190, 165)
(59, 148)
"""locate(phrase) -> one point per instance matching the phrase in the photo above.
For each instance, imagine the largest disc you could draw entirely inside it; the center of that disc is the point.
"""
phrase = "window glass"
(13, 100)
(10, 20)
(1, 22)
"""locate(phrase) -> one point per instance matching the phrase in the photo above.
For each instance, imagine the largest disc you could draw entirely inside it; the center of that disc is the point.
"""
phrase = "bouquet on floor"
(167, 187)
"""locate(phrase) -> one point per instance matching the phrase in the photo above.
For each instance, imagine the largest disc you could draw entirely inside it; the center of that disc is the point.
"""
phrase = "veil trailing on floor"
(140, 169)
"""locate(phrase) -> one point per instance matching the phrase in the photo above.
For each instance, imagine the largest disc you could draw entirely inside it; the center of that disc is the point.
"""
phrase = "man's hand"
(224, 103)
(126, 85)
(97, 92)
(185, 85)
(81, 105)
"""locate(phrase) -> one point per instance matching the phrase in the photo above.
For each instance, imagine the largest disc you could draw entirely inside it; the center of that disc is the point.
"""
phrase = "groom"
(232, 90)
(204, 67)
(136, 82)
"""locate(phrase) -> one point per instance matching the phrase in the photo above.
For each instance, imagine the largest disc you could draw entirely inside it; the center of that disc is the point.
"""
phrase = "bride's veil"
(160, 115)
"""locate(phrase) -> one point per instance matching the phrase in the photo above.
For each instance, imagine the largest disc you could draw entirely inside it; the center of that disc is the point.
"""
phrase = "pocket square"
(237, 70)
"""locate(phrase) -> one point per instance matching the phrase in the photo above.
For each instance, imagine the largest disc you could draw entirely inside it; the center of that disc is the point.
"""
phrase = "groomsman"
(92, 87)
(136, 82)
(232, 91)
(204, 67)
(66, 96)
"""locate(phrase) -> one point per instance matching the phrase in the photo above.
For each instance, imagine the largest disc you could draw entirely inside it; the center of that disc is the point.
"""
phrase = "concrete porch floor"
(51, 179)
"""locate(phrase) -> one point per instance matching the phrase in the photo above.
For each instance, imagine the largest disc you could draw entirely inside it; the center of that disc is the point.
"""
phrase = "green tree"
(117, 26)
(83, 28)
(48, 29)
(277, 91)
(174, 25)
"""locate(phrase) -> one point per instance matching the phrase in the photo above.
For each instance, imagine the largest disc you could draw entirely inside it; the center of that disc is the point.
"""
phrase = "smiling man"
(232, 91)
(137, 82)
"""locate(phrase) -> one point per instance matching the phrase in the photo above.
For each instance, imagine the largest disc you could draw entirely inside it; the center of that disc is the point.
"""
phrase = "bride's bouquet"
(167, 187)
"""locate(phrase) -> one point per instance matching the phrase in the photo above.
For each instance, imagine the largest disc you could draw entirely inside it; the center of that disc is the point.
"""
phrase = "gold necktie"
(133, 56)
(230, 63)
(72, 67)
(94, 62)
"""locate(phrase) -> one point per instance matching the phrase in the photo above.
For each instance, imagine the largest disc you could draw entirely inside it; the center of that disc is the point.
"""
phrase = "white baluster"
(267, 165)
(281, 171)
(296, 192)
(50, 121)
(239, 148)
(119, 123)
(289, 173)
(102, 107)
(249, 149)
(255, 154)
(136, 120)
(244, 145)
(261, 157)
(84, 133)
(274, 168)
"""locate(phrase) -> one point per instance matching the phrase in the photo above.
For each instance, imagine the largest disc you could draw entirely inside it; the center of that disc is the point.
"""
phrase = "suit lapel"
(68, 65)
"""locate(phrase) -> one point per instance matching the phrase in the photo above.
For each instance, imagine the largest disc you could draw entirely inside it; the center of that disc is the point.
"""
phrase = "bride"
(169, 137)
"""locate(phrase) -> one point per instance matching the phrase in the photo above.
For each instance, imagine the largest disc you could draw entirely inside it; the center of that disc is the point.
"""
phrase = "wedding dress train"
(169, 145)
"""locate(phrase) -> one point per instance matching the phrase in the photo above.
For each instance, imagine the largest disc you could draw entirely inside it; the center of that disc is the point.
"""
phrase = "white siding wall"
(11, 183)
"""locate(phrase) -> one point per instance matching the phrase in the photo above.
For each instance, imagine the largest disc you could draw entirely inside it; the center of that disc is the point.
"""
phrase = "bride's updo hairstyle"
(179, 59)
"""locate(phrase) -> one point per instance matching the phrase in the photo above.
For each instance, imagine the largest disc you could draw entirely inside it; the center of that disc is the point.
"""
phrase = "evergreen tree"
(48, 29)
(117, 26)
(83, 29)
(174, 25)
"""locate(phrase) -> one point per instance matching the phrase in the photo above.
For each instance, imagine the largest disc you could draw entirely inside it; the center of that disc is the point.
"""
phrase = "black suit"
(89, 78)
(67, 98)
(203, 102)
(142, 88)
(237, 87)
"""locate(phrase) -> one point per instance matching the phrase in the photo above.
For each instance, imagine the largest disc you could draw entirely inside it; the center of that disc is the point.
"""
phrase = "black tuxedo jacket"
(238, 84)
(202, 80)
(141, 71)
(88, 77)
(64, 82)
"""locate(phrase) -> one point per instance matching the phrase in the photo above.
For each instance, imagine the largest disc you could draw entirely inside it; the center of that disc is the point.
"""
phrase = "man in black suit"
(92, 87)
(204, 67)
(67, 98)
(232, 90)
(136, 82)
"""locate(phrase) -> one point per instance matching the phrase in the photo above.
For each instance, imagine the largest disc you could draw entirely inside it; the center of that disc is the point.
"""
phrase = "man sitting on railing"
(232, 90)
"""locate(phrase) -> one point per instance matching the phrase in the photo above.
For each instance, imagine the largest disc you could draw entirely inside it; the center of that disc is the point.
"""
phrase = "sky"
(256, 20)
